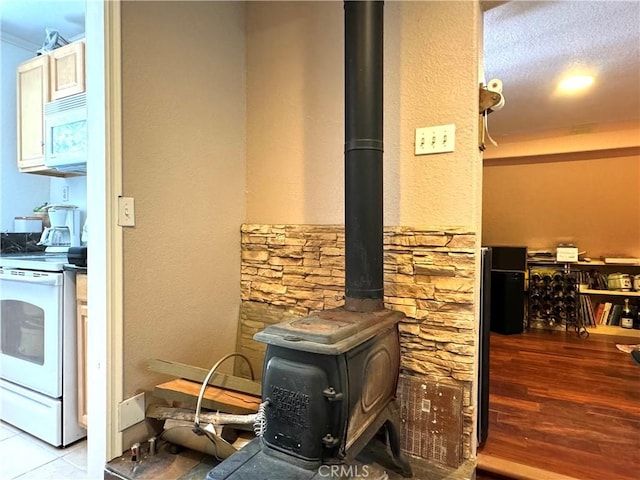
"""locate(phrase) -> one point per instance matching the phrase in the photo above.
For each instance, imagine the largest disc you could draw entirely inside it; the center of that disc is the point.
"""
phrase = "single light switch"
(126, 212)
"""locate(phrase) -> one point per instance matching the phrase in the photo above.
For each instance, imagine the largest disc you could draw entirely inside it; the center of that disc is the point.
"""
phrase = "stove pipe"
(363, 156)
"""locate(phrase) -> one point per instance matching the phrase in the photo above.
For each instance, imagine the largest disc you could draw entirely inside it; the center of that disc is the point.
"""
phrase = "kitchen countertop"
(48, 262)
(75, 268)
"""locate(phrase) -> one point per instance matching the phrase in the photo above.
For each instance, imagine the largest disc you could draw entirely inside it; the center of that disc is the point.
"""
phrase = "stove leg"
(393, 431)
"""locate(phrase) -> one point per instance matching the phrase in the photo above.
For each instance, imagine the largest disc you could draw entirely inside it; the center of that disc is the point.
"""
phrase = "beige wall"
(184, 163)
(295, 133)
(184, 157)
(584, 189)
(295, 111)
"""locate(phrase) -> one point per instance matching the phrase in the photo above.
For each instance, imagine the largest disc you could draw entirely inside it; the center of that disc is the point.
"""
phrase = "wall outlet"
(65, 193)
(131, 411)
(438, 139)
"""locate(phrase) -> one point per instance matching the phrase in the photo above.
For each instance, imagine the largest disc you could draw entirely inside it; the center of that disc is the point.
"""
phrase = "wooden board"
(197, 374)
(180, 390)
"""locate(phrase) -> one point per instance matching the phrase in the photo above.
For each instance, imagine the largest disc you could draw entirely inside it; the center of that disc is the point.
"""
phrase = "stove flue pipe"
(363, 155)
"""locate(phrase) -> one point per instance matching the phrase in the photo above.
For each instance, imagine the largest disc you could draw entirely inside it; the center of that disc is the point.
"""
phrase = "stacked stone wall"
(429, 275)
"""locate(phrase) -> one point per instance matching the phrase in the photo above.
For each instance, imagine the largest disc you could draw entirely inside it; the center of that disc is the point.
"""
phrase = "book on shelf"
(599, 313)
(605, 313)
(599, 281)
(615, 315)
(592, 310)
(588, 312)
(622, 260)
(584, 311)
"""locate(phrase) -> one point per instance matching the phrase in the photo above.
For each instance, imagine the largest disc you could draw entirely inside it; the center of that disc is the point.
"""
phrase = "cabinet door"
(82, 319)
(67, 70)
(32, 94)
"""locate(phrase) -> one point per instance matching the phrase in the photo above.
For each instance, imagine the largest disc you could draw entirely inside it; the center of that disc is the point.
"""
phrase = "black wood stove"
(329, 380)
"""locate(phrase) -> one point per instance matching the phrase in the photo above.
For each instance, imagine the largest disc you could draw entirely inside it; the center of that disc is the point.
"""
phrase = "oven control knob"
(330, 441)
(331, 394)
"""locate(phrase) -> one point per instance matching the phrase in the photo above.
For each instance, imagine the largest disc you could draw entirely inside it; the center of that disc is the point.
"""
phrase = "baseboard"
(515, 470)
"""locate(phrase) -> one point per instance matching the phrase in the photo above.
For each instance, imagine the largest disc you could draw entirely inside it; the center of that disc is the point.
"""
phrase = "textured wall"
(295, 143)
(292, 270)
(295, 112)
(184, 163)
(439, 53)
(591, 199)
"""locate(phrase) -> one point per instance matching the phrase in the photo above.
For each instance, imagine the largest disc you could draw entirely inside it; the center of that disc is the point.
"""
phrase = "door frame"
(104, 185)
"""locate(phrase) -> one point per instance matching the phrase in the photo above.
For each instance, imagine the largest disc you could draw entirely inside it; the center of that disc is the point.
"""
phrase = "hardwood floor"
(564, 404)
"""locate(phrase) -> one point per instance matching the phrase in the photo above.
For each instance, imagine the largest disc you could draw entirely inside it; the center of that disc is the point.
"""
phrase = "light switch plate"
(126, 212)
(437, 139)
(131, 411)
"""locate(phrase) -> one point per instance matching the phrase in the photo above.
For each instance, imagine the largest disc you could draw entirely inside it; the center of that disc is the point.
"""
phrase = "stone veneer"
(292, 270)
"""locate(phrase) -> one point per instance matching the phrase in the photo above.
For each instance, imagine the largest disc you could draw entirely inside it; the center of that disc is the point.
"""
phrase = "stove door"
(299, 415)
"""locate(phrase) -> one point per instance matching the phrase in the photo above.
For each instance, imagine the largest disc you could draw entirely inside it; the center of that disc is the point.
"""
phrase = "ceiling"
(528, 45)
(26, 20)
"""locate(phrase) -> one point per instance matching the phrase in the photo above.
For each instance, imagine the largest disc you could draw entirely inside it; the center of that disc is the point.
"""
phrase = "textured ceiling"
(530, 46)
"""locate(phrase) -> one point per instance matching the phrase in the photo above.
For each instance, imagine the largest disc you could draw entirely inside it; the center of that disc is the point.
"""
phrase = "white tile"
(57, 470)
(36, 442)
(19, 455)
(76, 455)
(7, 431)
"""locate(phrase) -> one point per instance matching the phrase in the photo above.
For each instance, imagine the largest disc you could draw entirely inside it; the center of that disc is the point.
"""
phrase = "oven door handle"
(43, 280)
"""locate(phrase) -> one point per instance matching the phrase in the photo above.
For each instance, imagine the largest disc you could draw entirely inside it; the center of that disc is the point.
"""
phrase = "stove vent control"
(332, 395)
(330, 441)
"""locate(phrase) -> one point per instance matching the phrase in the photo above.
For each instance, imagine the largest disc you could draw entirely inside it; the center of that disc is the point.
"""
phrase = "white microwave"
(65, 134)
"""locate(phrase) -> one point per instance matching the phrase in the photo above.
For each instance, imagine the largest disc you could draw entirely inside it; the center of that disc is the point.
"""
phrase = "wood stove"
(329, 379)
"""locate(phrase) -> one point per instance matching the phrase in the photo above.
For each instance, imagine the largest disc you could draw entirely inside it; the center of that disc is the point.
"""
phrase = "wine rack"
(553, 298)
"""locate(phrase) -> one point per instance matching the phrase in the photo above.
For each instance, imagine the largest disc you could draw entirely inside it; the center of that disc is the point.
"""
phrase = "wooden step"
(516, 471)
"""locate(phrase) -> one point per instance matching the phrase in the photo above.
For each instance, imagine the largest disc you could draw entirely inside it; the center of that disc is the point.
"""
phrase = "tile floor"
(25, 457)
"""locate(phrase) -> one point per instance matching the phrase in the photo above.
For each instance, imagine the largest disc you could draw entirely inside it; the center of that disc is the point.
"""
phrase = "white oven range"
(38, 366)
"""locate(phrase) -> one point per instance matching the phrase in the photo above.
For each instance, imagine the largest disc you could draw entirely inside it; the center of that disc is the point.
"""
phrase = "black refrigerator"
(508, 268)
(502, 307)
(483, 345)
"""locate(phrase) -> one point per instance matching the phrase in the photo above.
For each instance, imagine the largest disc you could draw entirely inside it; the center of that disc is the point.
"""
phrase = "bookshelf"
(589, 273)
(591, 278)
(589, 291)
(613, 330)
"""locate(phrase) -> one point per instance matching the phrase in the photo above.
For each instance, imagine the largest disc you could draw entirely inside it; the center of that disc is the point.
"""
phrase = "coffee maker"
(64, 231)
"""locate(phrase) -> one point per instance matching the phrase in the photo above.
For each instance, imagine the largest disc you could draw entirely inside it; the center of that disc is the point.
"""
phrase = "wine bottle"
(534, 294)
(569, 297)
(559, 311)
(626, 319)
